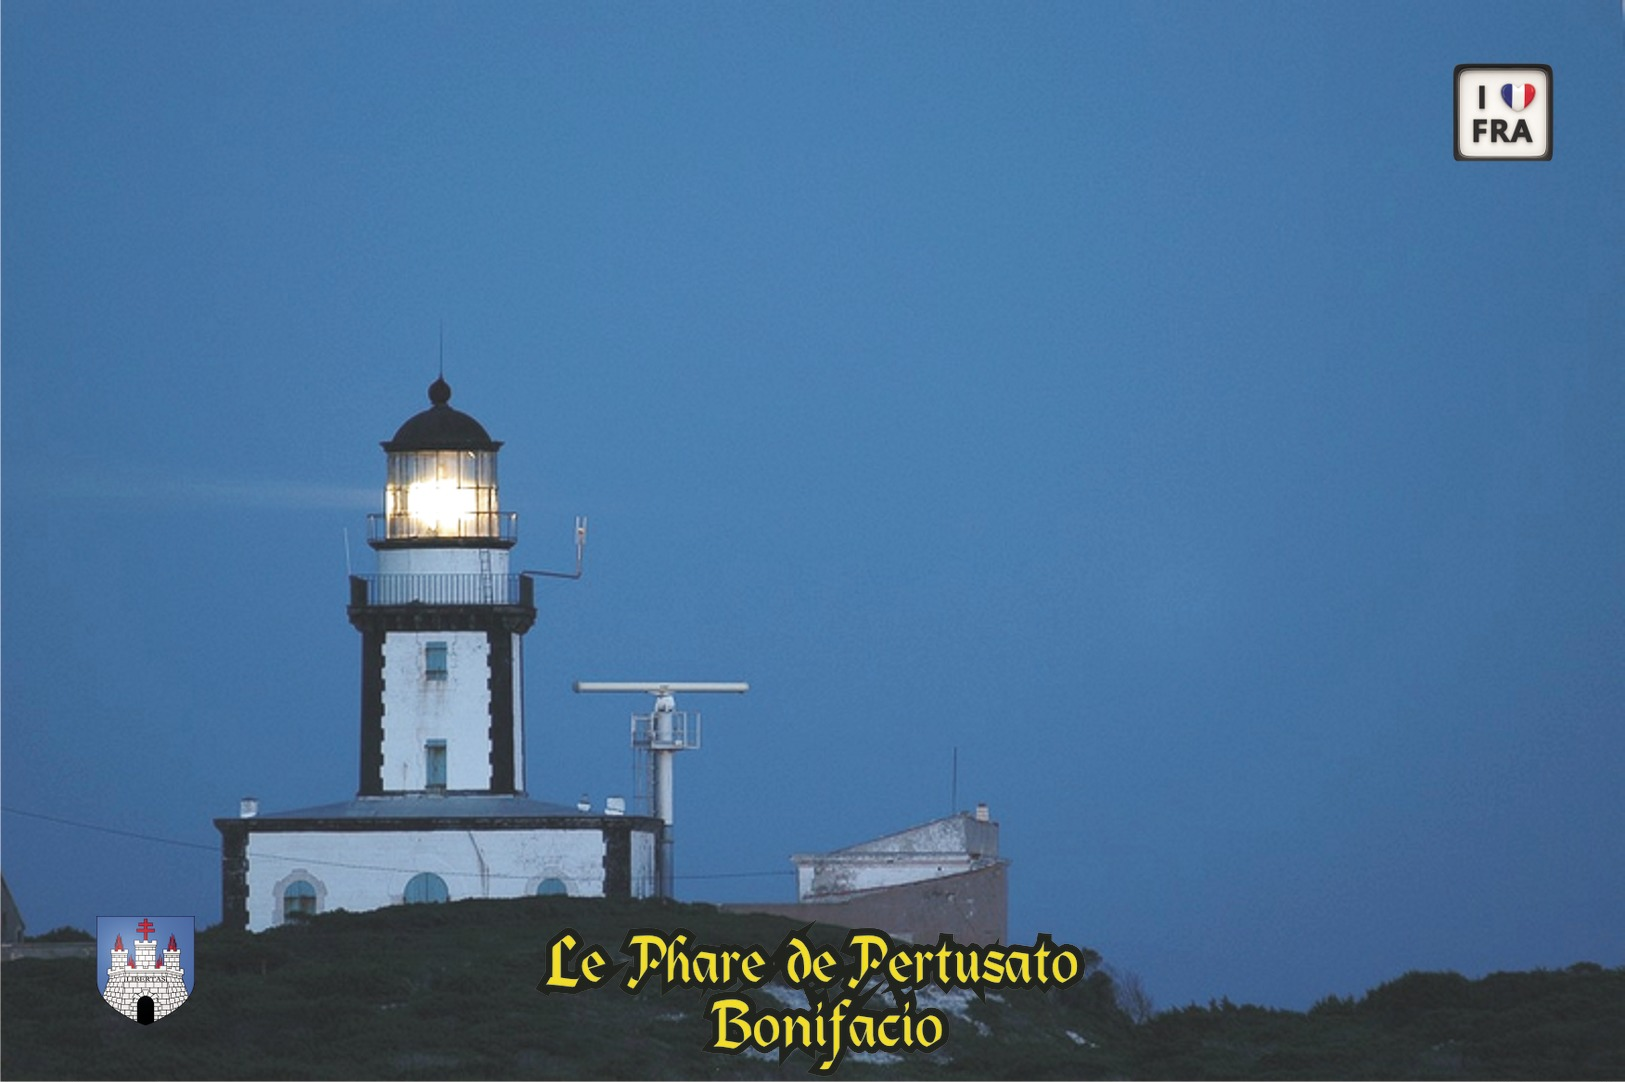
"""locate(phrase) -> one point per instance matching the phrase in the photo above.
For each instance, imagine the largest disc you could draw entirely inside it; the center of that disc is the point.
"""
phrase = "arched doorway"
(426, 887)
(143, 1010)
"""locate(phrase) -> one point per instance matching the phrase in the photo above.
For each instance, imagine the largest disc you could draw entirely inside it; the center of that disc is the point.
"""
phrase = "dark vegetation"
(449, 991)
(64, 934)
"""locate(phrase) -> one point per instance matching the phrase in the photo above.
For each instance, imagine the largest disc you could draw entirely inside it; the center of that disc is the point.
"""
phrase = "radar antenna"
(656, 738)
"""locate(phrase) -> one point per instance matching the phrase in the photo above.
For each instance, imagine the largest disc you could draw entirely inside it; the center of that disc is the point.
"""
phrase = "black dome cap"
(441, 428)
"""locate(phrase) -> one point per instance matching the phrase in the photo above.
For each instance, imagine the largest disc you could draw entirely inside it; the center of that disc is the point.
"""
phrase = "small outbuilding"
(941, 876)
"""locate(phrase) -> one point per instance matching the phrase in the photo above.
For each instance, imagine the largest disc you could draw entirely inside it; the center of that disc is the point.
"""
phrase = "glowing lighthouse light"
(442, 479)
(441, 506)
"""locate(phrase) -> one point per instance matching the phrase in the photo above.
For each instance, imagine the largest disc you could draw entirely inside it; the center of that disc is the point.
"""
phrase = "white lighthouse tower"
(442, 703)
(441, 811)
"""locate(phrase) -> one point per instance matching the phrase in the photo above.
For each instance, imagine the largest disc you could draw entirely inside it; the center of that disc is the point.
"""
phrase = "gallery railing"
(471, 589)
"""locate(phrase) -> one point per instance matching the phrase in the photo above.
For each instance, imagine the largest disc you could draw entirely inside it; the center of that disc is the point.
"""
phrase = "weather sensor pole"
(656, 738)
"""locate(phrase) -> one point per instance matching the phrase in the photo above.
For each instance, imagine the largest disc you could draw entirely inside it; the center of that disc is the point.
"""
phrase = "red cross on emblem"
(145, 928)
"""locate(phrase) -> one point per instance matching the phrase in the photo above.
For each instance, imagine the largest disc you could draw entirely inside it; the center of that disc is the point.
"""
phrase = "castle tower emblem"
(140, 981)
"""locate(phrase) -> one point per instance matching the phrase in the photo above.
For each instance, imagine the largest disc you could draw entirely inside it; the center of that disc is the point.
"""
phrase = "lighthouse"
(442, 699)
(441, 810)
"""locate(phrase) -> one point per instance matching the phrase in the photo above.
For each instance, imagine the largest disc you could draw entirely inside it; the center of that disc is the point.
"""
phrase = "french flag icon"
(1518, 95)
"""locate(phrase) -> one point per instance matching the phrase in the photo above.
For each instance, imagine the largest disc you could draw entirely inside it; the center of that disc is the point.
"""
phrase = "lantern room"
(442, 485)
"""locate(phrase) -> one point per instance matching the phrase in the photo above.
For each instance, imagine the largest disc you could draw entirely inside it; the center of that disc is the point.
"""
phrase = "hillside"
(450, 991)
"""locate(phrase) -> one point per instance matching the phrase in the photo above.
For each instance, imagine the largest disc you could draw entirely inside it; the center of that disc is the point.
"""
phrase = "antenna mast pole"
(581, 545)
(663, 733)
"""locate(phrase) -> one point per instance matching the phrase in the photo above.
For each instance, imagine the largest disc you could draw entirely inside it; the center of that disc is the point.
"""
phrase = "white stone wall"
(439, 561)
(835, 873)
(456, 709)
(645, 882)
(279, 892)
(947, 846)
(363, 870)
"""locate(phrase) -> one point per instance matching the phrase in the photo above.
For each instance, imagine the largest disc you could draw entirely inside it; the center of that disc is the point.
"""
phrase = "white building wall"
(439, 561)
(837, 873)
(456, 709)
(364, 870)
(947, 846)
(644, 875)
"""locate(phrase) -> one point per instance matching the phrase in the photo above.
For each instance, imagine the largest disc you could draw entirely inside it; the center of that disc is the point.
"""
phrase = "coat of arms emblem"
(149, 962)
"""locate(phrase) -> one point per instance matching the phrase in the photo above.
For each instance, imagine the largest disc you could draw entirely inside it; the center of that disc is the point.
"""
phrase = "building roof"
(960, 833)
(425, 806)
(441, 428)
(425, 812)
(12, 916)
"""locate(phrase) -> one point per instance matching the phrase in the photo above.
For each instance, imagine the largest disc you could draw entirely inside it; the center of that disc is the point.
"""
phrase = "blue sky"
(1138, 398)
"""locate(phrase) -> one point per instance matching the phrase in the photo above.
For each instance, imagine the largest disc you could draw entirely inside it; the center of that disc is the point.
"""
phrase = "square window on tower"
(434, 661)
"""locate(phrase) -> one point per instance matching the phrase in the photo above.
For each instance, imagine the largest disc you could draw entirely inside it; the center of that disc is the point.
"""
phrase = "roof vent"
(615, 805)
(248, 807)
(981, 813)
